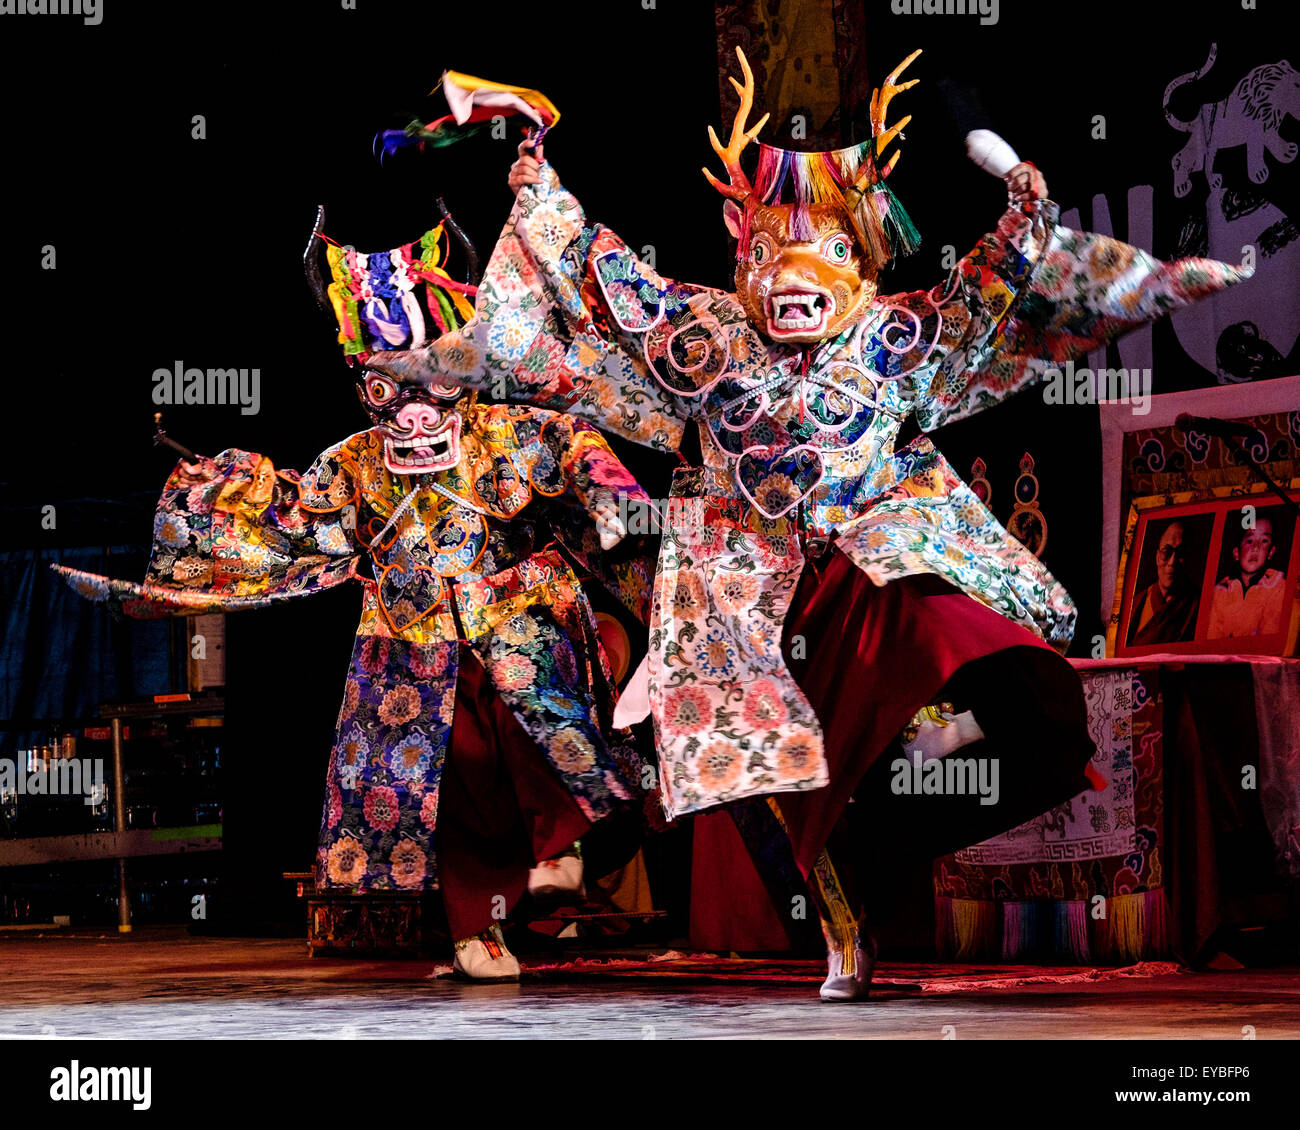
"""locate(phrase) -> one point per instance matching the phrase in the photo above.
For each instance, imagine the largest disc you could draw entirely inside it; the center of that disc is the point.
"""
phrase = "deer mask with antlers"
(806, 270)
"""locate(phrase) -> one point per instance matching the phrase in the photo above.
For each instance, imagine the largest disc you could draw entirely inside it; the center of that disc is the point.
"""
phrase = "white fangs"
(427, 449)
(422, 453)
(797, 311)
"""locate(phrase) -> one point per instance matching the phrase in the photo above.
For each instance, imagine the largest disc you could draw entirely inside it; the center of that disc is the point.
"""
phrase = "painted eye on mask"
(760, 250)
(446, 392)
(379, 390)
(838, 249)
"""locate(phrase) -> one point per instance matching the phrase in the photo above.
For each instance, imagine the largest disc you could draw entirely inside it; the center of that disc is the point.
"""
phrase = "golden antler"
(880, 99)
(739, 188)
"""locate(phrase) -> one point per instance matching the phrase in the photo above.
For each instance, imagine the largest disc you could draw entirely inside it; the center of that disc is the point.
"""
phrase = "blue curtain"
(62, 655)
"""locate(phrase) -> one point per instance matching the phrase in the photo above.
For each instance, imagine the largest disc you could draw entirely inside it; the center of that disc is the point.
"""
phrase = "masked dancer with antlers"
(822, 597)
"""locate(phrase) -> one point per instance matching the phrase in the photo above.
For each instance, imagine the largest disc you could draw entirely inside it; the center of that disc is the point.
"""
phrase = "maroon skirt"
(872, 656)
(502, 808)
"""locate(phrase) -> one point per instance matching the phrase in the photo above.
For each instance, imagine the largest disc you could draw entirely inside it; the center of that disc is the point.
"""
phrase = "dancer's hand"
(527, 169)
(1025, 183)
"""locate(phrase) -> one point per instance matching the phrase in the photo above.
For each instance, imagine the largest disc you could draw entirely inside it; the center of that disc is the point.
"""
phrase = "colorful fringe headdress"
(853, 177)
(831, 177)
(375, 297)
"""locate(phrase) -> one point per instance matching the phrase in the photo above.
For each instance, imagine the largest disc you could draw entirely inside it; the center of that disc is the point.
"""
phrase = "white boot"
(484, 957)
(556, 878)
(850, 962)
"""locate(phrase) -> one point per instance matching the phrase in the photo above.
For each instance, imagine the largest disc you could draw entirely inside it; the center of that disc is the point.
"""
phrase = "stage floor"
(161, 982)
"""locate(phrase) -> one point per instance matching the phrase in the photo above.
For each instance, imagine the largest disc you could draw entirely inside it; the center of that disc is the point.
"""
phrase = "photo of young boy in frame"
(1251, 596)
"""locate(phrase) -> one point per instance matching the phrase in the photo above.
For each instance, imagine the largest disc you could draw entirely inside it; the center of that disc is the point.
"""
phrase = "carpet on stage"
(898, 977)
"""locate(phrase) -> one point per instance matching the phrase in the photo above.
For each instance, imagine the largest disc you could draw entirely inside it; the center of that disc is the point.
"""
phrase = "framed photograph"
(1136, 449)
(1211, 572)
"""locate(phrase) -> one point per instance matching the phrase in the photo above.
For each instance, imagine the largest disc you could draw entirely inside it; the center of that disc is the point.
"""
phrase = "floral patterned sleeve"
(574, 466)
(560, 321)
(1029, 297)
(232, 532)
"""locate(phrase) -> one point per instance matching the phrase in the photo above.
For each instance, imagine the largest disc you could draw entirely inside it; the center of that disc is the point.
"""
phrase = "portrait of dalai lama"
(1165, 611)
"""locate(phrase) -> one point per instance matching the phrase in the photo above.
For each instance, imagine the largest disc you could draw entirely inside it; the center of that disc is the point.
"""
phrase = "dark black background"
(171, 248)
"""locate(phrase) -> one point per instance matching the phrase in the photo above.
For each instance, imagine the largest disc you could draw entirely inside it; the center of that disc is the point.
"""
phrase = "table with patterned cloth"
(1198, 826)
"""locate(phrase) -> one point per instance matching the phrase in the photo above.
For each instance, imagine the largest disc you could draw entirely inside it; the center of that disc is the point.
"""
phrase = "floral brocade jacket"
(798, 443)
(462, 565)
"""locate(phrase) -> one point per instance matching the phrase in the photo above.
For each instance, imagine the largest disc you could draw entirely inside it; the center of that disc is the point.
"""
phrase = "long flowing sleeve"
(1030, 296)
(232, 532)
(562, 321)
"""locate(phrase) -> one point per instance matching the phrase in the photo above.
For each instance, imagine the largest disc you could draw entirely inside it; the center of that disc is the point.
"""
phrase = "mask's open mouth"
(418, 454)
(797, 313)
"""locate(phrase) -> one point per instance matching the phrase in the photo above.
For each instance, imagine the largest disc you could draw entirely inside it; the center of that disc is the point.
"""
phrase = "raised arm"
(561, 320)
(1030, 296)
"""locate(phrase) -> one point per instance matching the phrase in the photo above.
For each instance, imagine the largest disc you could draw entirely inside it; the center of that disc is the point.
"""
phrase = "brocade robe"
(235, 532)
(798, 444)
